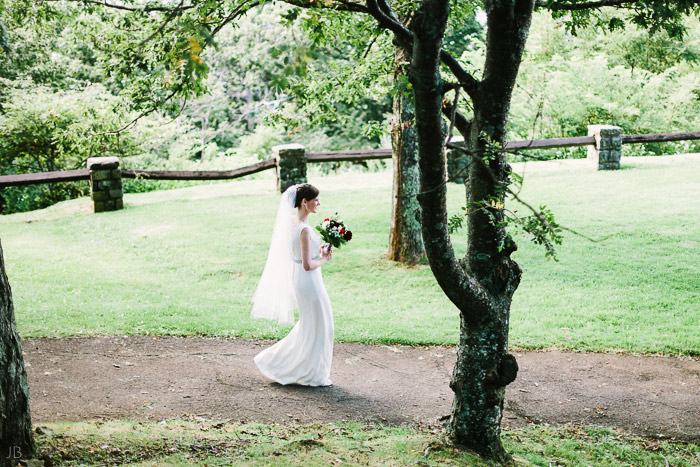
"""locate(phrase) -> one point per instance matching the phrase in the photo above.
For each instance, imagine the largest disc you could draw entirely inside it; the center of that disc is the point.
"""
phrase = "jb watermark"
(14, 452)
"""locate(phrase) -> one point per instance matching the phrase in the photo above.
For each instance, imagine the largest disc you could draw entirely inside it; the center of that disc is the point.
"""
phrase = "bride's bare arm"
(306, 261)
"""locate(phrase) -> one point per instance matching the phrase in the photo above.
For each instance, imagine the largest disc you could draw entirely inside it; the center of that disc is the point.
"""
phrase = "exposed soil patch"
(169, 377)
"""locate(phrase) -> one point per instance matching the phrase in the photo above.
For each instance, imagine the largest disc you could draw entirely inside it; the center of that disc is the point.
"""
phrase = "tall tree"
(481, 284)
(405, 237)
(16, 438)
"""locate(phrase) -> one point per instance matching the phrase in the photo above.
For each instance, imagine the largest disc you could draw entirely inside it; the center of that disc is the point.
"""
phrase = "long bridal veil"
(274, 298)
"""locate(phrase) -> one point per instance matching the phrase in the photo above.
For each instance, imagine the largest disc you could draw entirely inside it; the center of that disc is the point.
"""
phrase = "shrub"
(43, 131)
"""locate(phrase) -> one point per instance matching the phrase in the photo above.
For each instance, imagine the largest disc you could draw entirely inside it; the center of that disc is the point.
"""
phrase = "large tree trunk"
(405, 240)
(484, 366)
(482, 284)
(16, 439)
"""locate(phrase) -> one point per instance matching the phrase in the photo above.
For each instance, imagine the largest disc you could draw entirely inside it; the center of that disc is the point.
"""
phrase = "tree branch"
(369, 46)
(139, 117)
(238, 11)
(514, 195)
(467, 81)
(381, 11)
(127, 8)
(458, 119)
(558, 6)
(162, 26)
(386, 8)
(403, 35)
(340, 5)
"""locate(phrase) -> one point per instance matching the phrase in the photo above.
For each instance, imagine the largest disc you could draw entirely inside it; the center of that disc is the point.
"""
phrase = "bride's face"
(312, 205)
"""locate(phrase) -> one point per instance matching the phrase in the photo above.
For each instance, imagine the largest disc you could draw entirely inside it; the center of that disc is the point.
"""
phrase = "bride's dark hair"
(305, 191)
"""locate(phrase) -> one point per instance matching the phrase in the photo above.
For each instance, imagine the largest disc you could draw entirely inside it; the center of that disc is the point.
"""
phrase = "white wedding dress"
(304, 356)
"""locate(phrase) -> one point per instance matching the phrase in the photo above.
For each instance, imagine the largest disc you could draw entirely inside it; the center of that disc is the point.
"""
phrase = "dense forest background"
(276, 79)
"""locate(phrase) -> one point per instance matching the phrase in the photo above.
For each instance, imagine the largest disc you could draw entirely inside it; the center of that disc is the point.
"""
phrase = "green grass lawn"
(183, 442)
(187, 261)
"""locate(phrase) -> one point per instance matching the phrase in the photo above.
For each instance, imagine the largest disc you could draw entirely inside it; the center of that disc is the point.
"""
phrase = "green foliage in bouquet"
(333, 231)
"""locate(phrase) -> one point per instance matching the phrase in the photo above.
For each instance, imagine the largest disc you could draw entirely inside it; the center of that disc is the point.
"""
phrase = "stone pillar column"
(457, 166)
(105, 183)
(291, 165)
(608, 146)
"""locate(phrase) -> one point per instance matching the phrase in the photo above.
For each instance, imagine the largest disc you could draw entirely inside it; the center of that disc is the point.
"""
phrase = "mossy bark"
(405, 240)
(482, 283)
(16, 438)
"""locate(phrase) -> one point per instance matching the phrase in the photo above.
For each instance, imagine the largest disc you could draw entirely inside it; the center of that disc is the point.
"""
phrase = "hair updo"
(305, 191)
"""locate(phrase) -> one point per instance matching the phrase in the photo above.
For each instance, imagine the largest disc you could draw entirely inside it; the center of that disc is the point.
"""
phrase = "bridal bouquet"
(333, 231)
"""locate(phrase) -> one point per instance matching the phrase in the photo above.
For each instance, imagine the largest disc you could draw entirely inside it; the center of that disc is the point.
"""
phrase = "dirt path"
(157, 378)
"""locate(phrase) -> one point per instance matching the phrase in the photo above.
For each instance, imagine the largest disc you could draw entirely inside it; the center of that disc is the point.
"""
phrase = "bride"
(293, 274)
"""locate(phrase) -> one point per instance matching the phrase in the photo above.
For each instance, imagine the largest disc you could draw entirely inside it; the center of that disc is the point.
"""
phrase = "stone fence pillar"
(608, 146)
(291, 165)
(457, 166)
(105, 183)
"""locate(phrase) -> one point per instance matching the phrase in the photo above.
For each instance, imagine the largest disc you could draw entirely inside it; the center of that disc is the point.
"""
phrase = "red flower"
(347, 236)
(342, 231)
(326, 219)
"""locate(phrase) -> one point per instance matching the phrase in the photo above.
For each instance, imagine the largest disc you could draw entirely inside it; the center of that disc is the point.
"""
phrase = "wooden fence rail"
(326, 156)
(549, 143)
(590, 140)
(355, 156)
(661, 137)
(199, 174)
(44, 177)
